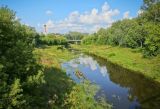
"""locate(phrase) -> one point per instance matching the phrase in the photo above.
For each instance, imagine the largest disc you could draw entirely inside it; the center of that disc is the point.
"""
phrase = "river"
(122, 88)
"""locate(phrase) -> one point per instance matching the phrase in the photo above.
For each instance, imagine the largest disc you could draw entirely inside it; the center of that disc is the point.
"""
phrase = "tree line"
(51, 39)
(142, 32)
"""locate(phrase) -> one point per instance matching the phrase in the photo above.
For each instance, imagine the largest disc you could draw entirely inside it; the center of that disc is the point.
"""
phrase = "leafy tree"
(102, 36)
(51, 39)
(75, 35)
(152, 43)
(141, 32)
(151, 10)
(149, 3)
(90, 39)
(17, 61)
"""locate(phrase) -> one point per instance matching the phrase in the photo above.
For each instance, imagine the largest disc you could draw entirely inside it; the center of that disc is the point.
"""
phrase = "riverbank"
(58, 84)
(60, 90)
(127, 58)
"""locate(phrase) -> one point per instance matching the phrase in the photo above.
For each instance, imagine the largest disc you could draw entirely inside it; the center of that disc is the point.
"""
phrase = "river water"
(122, 88)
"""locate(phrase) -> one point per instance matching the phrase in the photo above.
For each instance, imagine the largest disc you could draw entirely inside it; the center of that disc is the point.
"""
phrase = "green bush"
(17, 63)
(152, 42)
(91, 39)
(53, 40)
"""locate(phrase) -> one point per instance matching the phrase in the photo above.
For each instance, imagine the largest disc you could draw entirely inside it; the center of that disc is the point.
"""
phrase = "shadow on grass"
(52, 94)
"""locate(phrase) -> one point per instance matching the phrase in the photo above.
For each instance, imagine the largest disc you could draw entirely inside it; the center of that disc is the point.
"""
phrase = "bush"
(152, 42)
(53, 40)
(17, 63)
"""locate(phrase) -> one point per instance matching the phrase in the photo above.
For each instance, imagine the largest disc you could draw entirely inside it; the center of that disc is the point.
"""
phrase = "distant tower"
(45, 28)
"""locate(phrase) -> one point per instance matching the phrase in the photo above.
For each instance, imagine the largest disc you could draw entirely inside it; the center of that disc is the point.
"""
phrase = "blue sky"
(72, 15)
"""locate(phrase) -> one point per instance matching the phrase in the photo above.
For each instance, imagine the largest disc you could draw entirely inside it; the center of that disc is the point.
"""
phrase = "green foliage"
(126, 33)
(103, 37)
(149, 3)
(36, 79)
(16, 95)
(51, 39)
(142, 32)
(82, 97)
(151, 11)
(91, 39)
(75, 35)
(152, 42)
(17, 61)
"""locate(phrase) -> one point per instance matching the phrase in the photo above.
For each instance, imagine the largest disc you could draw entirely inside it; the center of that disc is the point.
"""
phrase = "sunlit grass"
(128, 58)
(51, 56)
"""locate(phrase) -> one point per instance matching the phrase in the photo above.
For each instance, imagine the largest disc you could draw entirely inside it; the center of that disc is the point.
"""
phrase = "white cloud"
(38, 25)
(88, 61)
(105, 7)
(50, 24)
(89, 21)
(126, 15)
(103, 71)
(49, 12)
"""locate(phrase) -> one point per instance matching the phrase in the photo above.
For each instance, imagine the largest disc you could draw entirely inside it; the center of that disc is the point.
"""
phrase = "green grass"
(127, 58)
(51, 56)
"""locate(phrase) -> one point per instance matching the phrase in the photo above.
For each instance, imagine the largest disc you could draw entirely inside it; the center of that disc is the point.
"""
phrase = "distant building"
(45, 29)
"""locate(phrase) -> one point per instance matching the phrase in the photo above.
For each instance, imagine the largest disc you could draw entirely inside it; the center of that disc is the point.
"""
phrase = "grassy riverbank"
(58, 84)
(51, 56)
(127, 58)
(60, 90)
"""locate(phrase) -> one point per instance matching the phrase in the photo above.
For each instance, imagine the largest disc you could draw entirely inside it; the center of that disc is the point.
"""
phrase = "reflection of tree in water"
(146, 91)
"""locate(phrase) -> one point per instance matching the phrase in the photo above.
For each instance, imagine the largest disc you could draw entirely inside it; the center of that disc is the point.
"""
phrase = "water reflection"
(145, 91)
(123, 88)
(88, 61)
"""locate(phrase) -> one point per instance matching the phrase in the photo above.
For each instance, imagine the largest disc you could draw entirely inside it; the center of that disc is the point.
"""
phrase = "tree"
(102, 36)
(149, 3)
(152, 42)
(151, 10)
(75, 35)
(16, 59)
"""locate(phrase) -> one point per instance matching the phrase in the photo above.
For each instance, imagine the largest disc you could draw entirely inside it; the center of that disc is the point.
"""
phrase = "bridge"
(74, 41)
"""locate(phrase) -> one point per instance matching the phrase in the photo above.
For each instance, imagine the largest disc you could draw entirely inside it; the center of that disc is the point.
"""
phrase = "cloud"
(103, 71)
(49, 12)
(126, 15)
(50, 24)
(88, 21)
(38, 25)
(88, 61)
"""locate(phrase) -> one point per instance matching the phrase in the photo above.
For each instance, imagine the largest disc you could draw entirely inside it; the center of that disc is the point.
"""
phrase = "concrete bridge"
(74, 41)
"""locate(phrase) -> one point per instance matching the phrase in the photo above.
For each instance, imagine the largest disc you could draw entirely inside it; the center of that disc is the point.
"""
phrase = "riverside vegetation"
(141, 33)
(128, 58)
(131, 43)
(30, 72)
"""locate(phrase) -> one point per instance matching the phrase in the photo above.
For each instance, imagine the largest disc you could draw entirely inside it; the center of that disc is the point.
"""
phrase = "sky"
(62, 16)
